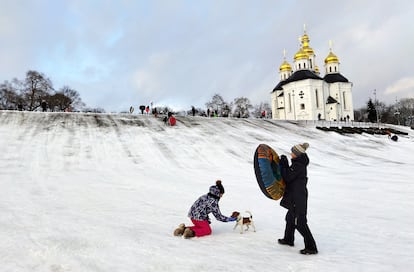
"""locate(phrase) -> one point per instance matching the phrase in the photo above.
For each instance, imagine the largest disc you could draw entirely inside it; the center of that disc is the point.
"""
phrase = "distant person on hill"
(142, 108)
(392, 137)
(295, 198)
(165, 119)
(44, 105)
(172, 121)
(199, 211)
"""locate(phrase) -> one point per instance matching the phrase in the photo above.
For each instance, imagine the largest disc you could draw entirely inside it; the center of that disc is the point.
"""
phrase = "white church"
(303, 94)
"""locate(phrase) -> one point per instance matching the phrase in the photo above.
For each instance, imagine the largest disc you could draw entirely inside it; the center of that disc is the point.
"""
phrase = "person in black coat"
(295, 198)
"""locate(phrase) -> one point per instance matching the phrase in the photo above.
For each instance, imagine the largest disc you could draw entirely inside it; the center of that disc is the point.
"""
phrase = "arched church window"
(302, 106)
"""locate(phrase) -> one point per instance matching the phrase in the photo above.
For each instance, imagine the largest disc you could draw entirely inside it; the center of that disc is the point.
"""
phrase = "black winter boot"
(285, 242)
(307, 251)
(188, 233)
(180, 230)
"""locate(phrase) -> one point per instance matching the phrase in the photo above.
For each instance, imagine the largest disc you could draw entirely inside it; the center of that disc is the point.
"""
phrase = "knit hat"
(217, 189)
(299, 149)
(220, 186)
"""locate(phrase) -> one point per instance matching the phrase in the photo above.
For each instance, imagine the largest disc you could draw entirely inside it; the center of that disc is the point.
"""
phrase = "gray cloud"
(122, 53)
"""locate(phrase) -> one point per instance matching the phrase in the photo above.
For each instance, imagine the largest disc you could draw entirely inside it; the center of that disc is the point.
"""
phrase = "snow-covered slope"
(102, 192)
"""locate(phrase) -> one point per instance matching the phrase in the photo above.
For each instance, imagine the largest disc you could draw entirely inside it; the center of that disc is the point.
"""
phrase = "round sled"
(268, 172)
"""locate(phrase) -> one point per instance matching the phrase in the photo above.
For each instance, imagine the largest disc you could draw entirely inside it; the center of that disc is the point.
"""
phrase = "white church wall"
(331, 112)
(275, 112)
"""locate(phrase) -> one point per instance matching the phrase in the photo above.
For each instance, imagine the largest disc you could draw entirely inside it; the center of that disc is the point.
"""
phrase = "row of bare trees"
(400, 113)
(36, 91)
(239, 107)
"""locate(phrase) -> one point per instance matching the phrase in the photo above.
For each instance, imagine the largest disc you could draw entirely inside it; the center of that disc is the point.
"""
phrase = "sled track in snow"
(38, 122)
(49, 120)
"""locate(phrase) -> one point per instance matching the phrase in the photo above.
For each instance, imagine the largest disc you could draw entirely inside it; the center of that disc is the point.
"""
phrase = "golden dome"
(285, 67)
(317, 69)
(305, 42)
(301, 54)
(308, 50)
(305, 39)
(331, 58)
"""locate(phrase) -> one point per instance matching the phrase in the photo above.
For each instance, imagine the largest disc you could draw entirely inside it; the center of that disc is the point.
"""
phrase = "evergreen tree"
(372, 111)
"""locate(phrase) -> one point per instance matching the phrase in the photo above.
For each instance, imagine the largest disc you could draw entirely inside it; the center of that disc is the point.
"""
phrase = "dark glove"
(284, 161)
(231, 219)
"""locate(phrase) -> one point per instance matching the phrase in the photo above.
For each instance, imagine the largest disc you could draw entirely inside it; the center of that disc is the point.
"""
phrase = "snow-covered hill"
(104, 192)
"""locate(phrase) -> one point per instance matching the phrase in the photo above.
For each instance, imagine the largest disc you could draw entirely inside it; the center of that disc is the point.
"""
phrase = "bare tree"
(9, 97)
(243, 106)
(36, 86)
(219, 106)
(65, 99)
(263, 107)
(406, 110)
(216, 102)
(37, 90)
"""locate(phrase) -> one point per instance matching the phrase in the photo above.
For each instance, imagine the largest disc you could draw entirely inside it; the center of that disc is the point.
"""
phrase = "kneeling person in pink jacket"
(199, 212)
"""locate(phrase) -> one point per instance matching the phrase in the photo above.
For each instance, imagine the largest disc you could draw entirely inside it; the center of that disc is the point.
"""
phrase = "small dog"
(243, 221)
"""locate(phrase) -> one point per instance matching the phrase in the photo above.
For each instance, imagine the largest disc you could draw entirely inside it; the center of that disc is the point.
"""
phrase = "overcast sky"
(180, 53)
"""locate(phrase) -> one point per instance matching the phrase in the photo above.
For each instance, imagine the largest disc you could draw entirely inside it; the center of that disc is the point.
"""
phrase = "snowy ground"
(98, 192)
